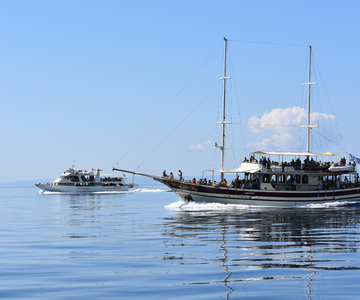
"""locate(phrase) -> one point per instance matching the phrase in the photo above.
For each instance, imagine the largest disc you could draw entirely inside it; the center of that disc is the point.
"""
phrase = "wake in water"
(152, 190)
(328, 205)
(196, 206)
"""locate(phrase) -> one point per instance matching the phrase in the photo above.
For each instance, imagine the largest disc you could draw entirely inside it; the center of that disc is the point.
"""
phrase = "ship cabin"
(87, 178)
(302, 173)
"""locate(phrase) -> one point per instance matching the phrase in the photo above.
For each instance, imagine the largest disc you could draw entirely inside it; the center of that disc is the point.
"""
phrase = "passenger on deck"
(181, 175)
(326, 185)
(237, 182)
(306, 162)
(338, 183)
(256, 183)
(343, 161)
(294, 183)
(268, 163)
(164, 174)
(293, 163)
(171, 175)
(273, 183)
(218, 184)
(312, 162)
(264, 161)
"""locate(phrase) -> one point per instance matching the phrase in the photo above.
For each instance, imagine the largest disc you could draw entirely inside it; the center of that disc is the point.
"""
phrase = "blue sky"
(83, 80)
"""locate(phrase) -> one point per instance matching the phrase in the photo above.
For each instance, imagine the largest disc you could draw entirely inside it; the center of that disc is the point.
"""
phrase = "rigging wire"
(268, 125)
(163, 141)
(332, 111)
(238, 109)
(166, 107)
(199, 142)
(329, 140)
(268, 43)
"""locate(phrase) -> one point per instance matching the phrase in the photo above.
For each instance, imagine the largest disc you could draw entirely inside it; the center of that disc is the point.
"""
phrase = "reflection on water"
(81, 216)
(129, 246)
(267, 243)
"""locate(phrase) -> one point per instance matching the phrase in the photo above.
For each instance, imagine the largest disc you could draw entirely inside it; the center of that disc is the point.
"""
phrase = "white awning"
(285, 153)
(329, 154)
(245, 167)
(248, 167)
(295, 153)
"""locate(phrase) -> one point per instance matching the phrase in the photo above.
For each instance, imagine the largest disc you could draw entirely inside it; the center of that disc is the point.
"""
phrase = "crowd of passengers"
(307, 164)
(92, 179)
(255, 184)
(111, 179)
(93, 184)
(327, 184)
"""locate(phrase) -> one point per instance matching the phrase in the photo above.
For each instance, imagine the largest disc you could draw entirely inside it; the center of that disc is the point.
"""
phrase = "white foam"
(196, 206)
(326, 205)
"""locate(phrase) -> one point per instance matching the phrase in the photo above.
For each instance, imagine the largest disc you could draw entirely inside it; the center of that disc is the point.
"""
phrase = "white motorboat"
(80, 181)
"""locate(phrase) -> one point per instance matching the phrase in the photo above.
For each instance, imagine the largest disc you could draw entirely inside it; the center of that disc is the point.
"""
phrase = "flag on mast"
(354, 159)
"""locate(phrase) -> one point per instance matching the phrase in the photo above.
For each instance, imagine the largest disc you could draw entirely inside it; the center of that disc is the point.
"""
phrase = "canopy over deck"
(294, 153)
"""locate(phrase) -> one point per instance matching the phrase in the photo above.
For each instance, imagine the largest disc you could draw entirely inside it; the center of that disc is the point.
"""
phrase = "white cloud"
(202, 146)
(279, 129)
(197, 147)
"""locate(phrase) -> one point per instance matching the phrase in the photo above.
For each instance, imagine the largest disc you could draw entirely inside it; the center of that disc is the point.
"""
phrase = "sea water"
(146, 244)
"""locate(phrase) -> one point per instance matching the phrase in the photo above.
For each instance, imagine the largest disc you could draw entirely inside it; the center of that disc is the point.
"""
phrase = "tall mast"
(309, 83)
(224, 122)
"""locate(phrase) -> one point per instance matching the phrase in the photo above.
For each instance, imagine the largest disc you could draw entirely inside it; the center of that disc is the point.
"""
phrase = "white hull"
(82, 181)
(263, 201)
(226, 195)
(82, 189)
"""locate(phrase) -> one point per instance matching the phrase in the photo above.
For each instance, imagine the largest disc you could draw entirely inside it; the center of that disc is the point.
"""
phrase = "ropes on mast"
(166, 107)
(163, 141)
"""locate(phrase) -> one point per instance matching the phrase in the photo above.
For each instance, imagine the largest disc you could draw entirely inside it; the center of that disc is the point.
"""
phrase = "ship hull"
(227, 195)
(81, 189)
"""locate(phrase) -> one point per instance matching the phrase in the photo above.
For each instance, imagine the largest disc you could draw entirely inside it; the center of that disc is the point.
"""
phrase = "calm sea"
(148, 245)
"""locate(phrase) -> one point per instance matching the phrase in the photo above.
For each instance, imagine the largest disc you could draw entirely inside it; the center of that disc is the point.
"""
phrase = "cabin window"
(297, 178)
(255, 177)
(281, 179)
(266, 178)
(274, 178)
(305, 179)
(289, 179)
(74, 178)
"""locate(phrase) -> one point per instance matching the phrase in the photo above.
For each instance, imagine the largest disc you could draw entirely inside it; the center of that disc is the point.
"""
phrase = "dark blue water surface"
(148, 245)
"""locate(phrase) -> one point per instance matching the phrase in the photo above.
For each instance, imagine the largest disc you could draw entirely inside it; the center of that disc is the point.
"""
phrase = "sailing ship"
(304, 180)
(83, 181)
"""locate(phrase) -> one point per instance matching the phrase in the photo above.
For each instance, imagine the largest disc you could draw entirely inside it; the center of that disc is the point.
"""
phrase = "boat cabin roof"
(294, 153)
